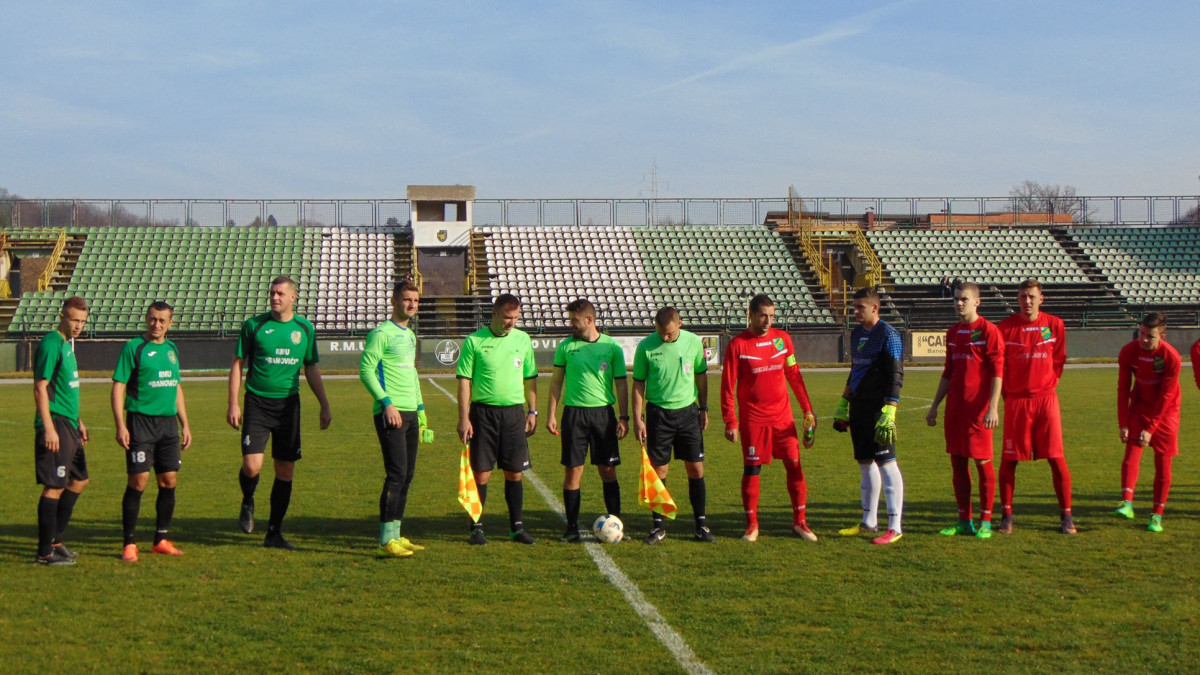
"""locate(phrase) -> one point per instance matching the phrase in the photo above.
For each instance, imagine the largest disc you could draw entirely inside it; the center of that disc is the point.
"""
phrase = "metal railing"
(48, 273)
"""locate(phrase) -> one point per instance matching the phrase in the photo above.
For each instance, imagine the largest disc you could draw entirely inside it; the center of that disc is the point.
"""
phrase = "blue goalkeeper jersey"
(876, 370)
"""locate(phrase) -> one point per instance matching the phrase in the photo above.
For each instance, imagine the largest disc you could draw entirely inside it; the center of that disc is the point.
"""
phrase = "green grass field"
(1115, 597)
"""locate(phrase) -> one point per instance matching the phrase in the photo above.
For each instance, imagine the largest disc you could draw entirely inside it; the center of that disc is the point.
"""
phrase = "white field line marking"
(670, 639)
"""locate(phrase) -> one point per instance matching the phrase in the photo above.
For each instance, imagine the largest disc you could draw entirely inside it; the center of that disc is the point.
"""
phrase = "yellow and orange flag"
(468, 492)
(651, 492)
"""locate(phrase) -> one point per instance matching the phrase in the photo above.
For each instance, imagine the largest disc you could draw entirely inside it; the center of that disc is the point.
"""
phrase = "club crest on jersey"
(778, 342)
(296, 335)
(862, 342)
(1046, 333)
(687, 369)
(976, 335)
(603, 366)
(1159, 364)
(517, 362)
(171, 357)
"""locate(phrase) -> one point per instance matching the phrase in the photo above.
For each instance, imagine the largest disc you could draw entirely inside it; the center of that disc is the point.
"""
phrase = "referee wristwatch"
(531, 412)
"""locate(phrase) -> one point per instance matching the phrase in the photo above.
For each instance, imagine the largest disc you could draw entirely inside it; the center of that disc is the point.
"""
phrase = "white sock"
(893, 492)
(869, 489)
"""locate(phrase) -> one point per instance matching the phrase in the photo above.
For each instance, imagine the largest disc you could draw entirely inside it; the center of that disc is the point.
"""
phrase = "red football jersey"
(1034, 353)
(760, 368)
(974, 356)
(1154, 391)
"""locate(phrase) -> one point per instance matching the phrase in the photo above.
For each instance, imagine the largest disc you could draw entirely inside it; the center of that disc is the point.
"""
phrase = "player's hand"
(885, 428)
(991, 418)
(552, 425)
(83, 434)
(392, 418)
(841, 416)
(123, 437)
(639, 430)
(1144, 438)
(731, 434)
(703, 421)
(234, 416)
(465, 431)
(185, 438)
(530, 425)
(931, 417)
(50, 438)
(1124, 434)
(326, 417)
(810, 429)
(622, 429)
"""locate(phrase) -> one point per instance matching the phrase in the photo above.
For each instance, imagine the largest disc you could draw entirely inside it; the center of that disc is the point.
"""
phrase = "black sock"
(47, 516)
(571, 503)
(655, 515)
(514, 496)
(612, 498)
(131, 505)
(281, 496)
(66, 504)
(249, 485)
(165, 506)
(482, 501)
(697, 494)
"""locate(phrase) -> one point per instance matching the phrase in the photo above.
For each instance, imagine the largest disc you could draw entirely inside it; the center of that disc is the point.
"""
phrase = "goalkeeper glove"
(885, 428)
(841, 418)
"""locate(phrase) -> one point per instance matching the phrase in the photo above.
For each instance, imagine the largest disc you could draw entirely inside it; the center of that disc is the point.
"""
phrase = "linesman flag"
(468, 492)
(651, 492)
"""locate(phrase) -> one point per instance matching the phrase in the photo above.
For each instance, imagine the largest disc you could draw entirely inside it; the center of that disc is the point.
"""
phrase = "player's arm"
(995, 355)
(702, 398)
(943, 388)
(1196, 362)
(368, 371)
(530, 405)
(1124, 387)
(556, 383)
(1060, 350)
(622, 388)
(312, 373)
(639, 404)
(234, 414)
(185, 429)
(41, 400)
(991, 418)
(118, 410)
(728, 389)
(791, 370)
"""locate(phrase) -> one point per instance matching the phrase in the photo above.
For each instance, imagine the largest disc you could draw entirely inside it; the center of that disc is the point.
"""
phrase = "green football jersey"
(497, 366)
(54, 362)
(276, 350)
(669, 369)
(589, 369)
(150, 373)
(388, 368)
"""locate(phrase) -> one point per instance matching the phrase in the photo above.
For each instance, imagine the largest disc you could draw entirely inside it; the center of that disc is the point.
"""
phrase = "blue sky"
(557, 100)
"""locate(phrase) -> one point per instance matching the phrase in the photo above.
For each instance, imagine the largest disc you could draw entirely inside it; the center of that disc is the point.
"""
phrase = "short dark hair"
(74, 302)
(867, 293)
(582, 306)
(1154, 320)
(506, 301)
(1030, 283)
(159, 306)
(969, 286)
(285, 279)
(402, 286)
(758, 302)
(665, 316)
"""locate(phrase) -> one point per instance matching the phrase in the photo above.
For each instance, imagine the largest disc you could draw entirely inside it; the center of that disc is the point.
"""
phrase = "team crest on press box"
(296, 337)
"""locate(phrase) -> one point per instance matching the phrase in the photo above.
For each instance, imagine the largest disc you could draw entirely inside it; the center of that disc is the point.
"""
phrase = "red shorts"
(1164, 440)
(966, 436)
(762, 442)
(1032, 427)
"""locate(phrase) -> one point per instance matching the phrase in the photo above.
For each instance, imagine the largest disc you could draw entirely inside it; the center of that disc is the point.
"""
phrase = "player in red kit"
(1035, 349)
(971, 382)
(1148, 411)
(759, 365)
(1196, 362)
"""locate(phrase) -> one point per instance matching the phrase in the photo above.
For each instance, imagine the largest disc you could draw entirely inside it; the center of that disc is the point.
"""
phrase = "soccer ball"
(608, 529)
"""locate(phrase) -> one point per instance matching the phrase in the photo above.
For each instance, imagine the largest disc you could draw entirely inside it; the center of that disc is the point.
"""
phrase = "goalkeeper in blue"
(389, 372)
(868, 410)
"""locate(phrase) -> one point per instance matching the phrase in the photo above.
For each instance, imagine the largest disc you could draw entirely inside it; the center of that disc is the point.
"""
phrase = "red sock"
(797, 490)
(1062, 482)
(1129, 471)
(1162, 481)
(987, 489)
(962, 486)
(1008, 481)
(750, 499)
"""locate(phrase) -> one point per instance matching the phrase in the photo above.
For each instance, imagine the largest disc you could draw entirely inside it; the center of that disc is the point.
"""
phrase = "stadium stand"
(1150, 267)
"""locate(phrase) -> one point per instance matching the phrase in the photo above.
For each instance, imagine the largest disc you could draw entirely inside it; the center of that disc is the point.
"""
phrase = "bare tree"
(1034, 197)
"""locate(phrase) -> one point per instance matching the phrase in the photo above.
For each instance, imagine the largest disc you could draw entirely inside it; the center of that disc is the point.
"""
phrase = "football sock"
(1129, 471)
(164, 507)
(893, 492)
(797, 491)
(514, 496)
(697, 494)
(1162, 481)
(750, 499)
(962, 486)
(249, 485)
(1062, 482)
(47, 516)
(281, 497)
(657, 517)
(131, 505)
(1008, 481)
(66, 505)
(869, 490)
(482, 500)
(388, 531)
(612, 498)
(571, 504)
(987, 489)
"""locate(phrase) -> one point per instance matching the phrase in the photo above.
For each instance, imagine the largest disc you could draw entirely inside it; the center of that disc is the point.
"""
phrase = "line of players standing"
(1021, 359)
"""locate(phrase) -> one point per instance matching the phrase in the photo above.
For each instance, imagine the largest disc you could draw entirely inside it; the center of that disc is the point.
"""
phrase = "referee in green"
(389, 372)
(273, 347)
(496, 373)
(670, 382)
(589, 365)
(152, 425)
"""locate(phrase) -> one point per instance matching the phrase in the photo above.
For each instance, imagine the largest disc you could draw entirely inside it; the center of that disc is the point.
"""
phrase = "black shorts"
(153, 441)
(678, 429)
(582, 428)
(863, 416)
(55, 469)
(499, 438)
(399, 444)
(278, 418)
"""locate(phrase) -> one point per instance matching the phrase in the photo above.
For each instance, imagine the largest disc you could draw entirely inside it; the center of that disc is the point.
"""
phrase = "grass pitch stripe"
(670, 639)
